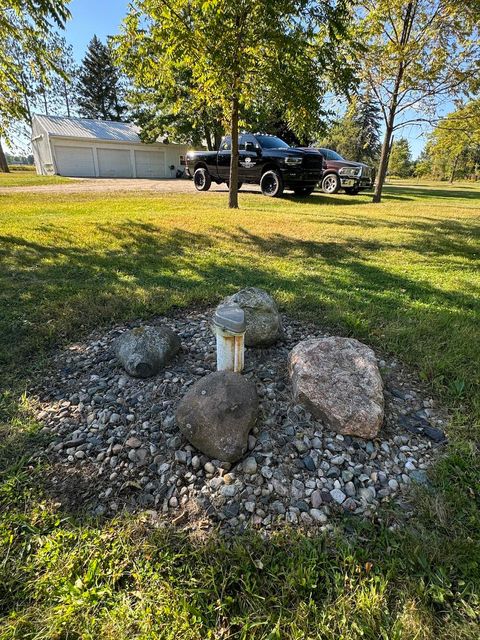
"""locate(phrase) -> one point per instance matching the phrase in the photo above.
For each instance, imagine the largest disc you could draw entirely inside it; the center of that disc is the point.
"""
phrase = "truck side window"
(226, 146)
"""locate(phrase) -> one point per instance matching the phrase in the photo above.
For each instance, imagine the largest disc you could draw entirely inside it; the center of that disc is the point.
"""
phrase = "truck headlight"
(350, 171)
(293, 160)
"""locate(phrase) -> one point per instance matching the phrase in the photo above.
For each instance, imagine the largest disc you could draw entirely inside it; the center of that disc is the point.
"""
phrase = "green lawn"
(28, 178)
(402, 276)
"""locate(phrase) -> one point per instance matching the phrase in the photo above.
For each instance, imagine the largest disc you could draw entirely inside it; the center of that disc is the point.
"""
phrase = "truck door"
(223, 158)
(249, 152)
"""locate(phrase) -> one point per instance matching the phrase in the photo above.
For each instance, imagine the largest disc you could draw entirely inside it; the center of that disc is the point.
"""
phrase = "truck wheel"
(202, 180)
(331, 183)
(352, 191)
(303, 191)
(271, 184)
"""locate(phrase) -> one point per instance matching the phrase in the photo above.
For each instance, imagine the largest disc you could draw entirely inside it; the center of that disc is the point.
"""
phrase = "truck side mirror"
(250, 147)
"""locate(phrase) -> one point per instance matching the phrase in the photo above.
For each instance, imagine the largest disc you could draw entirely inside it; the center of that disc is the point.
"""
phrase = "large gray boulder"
(217, 413)
(144, 351)
(338, 380)
(264, 323)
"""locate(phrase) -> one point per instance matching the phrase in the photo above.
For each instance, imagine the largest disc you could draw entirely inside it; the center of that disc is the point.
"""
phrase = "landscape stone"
(338, 495)
(250, 466)
(161, 466)
(338, 380)
(144, 351)
(217, 414)
(263, 321)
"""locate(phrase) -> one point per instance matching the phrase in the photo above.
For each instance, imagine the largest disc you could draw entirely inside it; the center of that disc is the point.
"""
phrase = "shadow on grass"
(53, 291)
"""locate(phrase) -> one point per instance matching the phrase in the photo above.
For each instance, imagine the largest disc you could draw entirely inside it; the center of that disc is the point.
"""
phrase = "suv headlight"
(293, 160)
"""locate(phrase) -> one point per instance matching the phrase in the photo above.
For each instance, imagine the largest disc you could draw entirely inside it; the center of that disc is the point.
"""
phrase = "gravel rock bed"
(114, 444)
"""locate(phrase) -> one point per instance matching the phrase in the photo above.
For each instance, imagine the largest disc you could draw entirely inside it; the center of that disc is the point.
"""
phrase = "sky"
(93, 17)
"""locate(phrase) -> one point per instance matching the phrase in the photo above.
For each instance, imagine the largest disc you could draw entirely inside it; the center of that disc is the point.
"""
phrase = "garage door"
(114, 163)
(150, 164)
(75, 161)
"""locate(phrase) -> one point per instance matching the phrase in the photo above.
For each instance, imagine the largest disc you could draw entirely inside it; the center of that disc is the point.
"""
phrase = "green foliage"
(99, 93)
(454, 145)
(417, 54)
(25, 57)
(25, 26)
(400, 163)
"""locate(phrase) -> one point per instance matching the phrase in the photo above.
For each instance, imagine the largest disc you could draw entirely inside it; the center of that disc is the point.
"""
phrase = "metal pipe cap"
(230, 318)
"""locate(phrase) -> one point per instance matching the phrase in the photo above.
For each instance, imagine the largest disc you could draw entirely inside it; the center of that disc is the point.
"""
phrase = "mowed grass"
(28, 178)
(402, 276)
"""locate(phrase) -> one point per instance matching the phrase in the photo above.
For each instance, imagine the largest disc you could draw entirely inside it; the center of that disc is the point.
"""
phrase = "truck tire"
(352, 191)
(202, 180)
(303, 191)
(271, 184)
(331, 183)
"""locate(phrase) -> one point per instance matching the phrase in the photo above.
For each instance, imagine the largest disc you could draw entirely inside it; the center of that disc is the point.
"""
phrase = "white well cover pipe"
(229, 326)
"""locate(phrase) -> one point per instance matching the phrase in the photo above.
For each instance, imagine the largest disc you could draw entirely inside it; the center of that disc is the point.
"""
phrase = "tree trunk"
(233, 179)
(45, 103)
(208, 137)
(3, 161)
(384, 158)
(392, 108)
(67, 101)
(454, 168)
(218, 134)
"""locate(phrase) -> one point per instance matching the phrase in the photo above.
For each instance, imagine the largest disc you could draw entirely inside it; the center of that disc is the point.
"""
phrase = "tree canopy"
(356, 136)
(454, 145)
(417, 54)
(24, 29)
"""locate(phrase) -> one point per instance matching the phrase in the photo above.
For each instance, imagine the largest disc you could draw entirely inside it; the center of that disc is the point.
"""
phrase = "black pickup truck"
(264, 160)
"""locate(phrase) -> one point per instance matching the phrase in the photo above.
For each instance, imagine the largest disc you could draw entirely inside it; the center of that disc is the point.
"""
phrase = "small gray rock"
(250, 465)
(338, 495)
(144, 351)
(318, 516)
(316, 499)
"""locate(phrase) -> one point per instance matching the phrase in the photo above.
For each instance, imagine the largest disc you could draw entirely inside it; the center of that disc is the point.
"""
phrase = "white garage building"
(84, 148)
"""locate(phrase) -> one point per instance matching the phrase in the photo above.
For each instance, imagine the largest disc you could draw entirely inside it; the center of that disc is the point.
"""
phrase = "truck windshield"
(271, 142)
(331, 155)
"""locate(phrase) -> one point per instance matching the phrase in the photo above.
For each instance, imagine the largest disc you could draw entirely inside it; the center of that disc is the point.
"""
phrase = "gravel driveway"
(86, 185)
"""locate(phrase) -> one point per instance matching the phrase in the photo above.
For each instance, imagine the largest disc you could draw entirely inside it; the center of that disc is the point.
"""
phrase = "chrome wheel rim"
(199, 179)
(330, 184)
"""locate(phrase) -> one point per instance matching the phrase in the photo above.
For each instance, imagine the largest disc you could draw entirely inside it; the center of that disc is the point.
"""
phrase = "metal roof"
(89, 129)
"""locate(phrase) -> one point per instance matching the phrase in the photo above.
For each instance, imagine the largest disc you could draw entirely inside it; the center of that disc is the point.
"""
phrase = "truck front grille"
(313, 162)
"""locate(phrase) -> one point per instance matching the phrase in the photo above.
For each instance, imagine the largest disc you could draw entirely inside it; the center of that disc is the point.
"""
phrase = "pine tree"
(366, 117)
(99, 90)
(356, 136)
